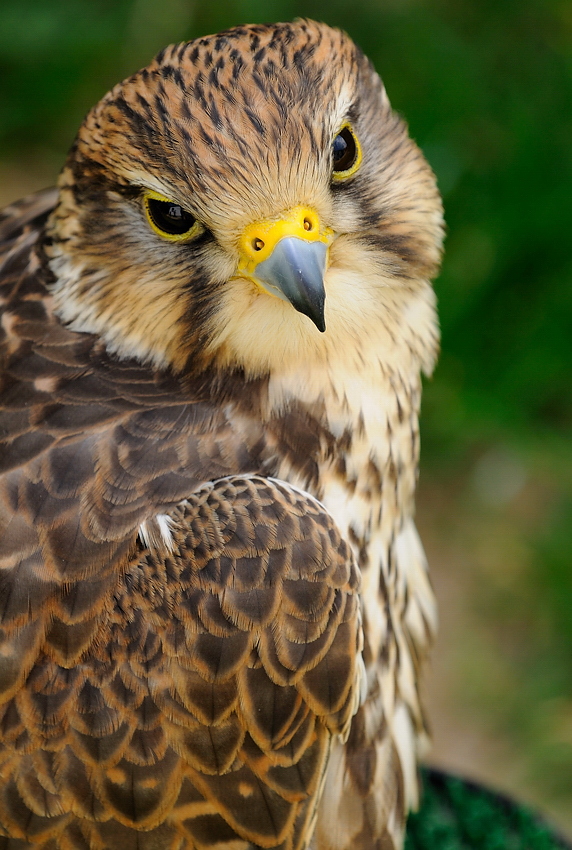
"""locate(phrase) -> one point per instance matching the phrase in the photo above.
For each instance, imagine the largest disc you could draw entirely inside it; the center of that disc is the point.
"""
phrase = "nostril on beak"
(257, 244)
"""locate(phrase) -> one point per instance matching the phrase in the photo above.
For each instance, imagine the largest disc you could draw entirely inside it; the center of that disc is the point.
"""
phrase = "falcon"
(214, 604)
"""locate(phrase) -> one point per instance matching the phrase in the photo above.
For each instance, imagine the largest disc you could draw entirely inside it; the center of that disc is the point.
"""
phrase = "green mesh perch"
(457, 814)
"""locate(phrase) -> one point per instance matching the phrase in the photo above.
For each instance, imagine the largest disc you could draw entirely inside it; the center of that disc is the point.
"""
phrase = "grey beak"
(295, 272)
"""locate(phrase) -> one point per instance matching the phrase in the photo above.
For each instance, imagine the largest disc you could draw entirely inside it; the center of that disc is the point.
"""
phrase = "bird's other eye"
(346, 154)
(169, 219)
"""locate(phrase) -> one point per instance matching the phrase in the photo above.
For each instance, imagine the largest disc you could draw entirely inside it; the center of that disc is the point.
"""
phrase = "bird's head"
(247, 199)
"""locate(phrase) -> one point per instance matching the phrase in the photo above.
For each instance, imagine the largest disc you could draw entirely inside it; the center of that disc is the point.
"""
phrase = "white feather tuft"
(157, 532)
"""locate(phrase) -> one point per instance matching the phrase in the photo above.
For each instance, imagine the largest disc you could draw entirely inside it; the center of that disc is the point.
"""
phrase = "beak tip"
(295, 271)
(315, 312)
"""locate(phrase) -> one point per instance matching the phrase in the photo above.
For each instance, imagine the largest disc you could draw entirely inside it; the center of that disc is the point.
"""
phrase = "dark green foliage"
(459, 815)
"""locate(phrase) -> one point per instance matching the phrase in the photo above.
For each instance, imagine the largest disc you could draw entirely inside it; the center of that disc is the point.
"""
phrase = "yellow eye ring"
(169, 219)
(346, 152)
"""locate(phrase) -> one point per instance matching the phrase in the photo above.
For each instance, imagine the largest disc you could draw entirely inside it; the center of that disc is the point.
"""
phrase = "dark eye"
(345, 153)
(168, 218)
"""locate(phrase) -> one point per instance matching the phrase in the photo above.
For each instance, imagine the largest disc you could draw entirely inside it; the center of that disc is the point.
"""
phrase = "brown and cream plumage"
(214, 605)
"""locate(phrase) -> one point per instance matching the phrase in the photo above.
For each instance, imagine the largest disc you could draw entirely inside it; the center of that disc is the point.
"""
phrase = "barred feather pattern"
(209, 695)
(214, 606)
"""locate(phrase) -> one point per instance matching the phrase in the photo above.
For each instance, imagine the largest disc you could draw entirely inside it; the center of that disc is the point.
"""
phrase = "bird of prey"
(214, 605)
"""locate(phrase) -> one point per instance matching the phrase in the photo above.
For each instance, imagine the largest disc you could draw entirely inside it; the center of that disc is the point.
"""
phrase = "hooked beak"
(288, 258)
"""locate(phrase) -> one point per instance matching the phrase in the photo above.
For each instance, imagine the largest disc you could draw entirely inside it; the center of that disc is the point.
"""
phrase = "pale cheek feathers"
(142, 319)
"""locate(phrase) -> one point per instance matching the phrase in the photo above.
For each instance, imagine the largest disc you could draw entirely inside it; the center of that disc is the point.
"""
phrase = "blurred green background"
(487, 90)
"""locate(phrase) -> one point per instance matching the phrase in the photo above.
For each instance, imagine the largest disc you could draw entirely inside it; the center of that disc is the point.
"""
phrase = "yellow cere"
(150, 195)
(259, 239)
(343, 175)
